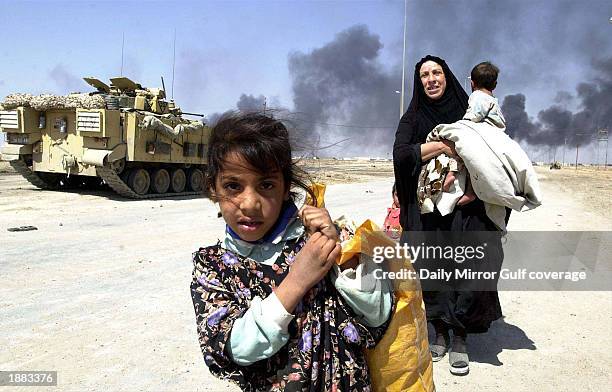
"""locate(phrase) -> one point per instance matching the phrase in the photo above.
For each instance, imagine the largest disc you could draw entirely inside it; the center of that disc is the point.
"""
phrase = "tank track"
(111, 178)
(22, 168)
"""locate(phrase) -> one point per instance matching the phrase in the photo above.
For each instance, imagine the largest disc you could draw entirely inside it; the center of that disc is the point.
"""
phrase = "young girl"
(392, 226)
(269, 315)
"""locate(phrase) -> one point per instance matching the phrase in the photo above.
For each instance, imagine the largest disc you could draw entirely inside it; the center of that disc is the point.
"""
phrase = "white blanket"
(500, 171)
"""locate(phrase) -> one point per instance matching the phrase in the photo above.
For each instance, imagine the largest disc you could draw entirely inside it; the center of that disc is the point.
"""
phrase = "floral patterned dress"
(325, 348)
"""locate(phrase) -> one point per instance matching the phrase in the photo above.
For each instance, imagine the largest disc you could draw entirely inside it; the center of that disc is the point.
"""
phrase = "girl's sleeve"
(232, 329)
(260, 332)
(216, 311)
(369, 297)
(406, 150)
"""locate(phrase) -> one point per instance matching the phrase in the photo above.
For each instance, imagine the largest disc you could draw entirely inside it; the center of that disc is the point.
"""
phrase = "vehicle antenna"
(173, 63)
(122, 46)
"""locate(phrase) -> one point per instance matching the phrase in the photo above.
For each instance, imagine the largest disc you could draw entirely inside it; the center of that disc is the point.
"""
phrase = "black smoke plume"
(557, 125)
(342, 91)
(251, 103)
(66, 81)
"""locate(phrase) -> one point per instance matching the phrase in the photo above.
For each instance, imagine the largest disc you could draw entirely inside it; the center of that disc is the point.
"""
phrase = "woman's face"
(433, 79)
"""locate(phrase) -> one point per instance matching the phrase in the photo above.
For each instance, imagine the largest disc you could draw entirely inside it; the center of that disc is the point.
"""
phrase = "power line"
(290, 118)
(333, 124)
(346, 125)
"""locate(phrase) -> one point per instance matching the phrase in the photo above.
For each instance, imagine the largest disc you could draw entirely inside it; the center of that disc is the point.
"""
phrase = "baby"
(482, 107)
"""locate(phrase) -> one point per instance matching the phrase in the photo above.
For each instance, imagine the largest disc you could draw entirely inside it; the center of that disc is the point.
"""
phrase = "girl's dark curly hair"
(262, 141)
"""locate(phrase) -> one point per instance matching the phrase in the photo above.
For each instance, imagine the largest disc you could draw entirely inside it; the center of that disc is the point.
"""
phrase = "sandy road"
(100, 293)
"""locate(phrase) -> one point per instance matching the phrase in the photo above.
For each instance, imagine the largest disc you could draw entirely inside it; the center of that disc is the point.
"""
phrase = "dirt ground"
(339, 171)
(100, 292)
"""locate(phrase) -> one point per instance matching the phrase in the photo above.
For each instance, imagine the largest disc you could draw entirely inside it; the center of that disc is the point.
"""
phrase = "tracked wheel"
(160, 181)
(195, 180)
(125, 175)
(118, 166)
(51, 180)
(178, 180)
(93, 183)
(139, 180)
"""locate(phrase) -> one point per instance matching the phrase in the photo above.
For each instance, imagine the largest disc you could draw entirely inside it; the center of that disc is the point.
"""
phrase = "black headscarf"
(422, 116)
(450, 107)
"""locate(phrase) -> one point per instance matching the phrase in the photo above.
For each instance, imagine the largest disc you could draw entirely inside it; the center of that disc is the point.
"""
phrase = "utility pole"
(564, 148)
(606, 167)
(468, 84)
(403, 61)
(602, 136)
(606, 163)
(576, 155)
(577, 145)
(264, 106)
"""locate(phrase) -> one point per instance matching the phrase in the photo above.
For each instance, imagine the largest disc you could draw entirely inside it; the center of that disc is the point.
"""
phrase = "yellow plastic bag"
(319, 191)
(401, 361)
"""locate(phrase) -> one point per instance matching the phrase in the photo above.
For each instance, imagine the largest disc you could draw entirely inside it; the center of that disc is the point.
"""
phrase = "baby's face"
(250, 201)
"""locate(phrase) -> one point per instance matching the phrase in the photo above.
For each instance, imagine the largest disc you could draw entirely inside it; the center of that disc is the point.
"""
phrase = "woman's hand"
(311, 265)
(448, 148)
(431, 150)
(318, 219)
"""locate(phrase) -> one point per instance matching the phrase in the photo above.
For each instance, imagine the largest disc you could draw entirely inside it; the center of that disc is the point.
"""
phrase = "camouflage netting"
(15, 100)
(152, 123)
(48, 101)
(193, 126)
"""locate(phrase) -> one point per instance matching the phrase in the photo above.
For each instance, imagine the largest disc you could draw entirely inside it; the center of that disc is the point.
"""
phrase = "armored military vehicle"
(124, 135)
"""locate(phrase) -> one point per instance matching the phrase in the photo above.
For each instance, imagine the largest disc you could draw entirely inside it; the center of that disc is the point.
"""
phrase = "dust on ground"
(100, 291)
(343, 171)
(5, 167)
(592, 185)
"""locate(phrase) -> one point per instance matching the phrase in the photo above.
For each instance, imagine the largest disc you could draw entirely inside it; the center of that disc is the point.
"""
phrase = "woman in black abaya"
(439, 99)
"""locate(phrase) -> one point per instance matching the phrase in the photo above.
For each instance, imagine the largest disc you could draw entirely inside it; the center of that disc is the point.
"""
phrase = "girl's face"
(250, 201)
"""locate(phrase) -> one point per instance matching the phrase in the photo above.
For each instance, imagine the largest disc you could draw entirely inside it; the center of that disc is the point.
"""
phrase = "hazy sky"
(336, 62)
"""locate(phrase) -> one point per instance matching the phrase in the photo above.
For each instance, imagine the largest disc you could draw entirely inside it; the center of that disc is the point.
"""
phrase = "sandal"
(437, 352)
(459, 363)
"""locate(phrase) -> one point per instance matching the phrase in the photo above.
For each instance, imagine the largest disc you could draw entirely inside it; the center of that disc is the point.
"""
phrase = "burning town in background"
(98, 290)
(339, 89)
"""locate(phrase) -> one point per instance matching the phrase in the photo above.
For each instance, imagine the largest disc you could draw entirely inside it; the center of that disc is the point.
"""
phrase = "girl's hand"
(311, 265)
(314, 260)
(318, 219)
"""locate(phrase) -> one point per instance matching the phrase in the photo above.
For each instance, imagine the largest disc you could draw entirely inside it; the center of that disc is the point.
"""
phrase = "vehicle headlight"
(18, 138)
